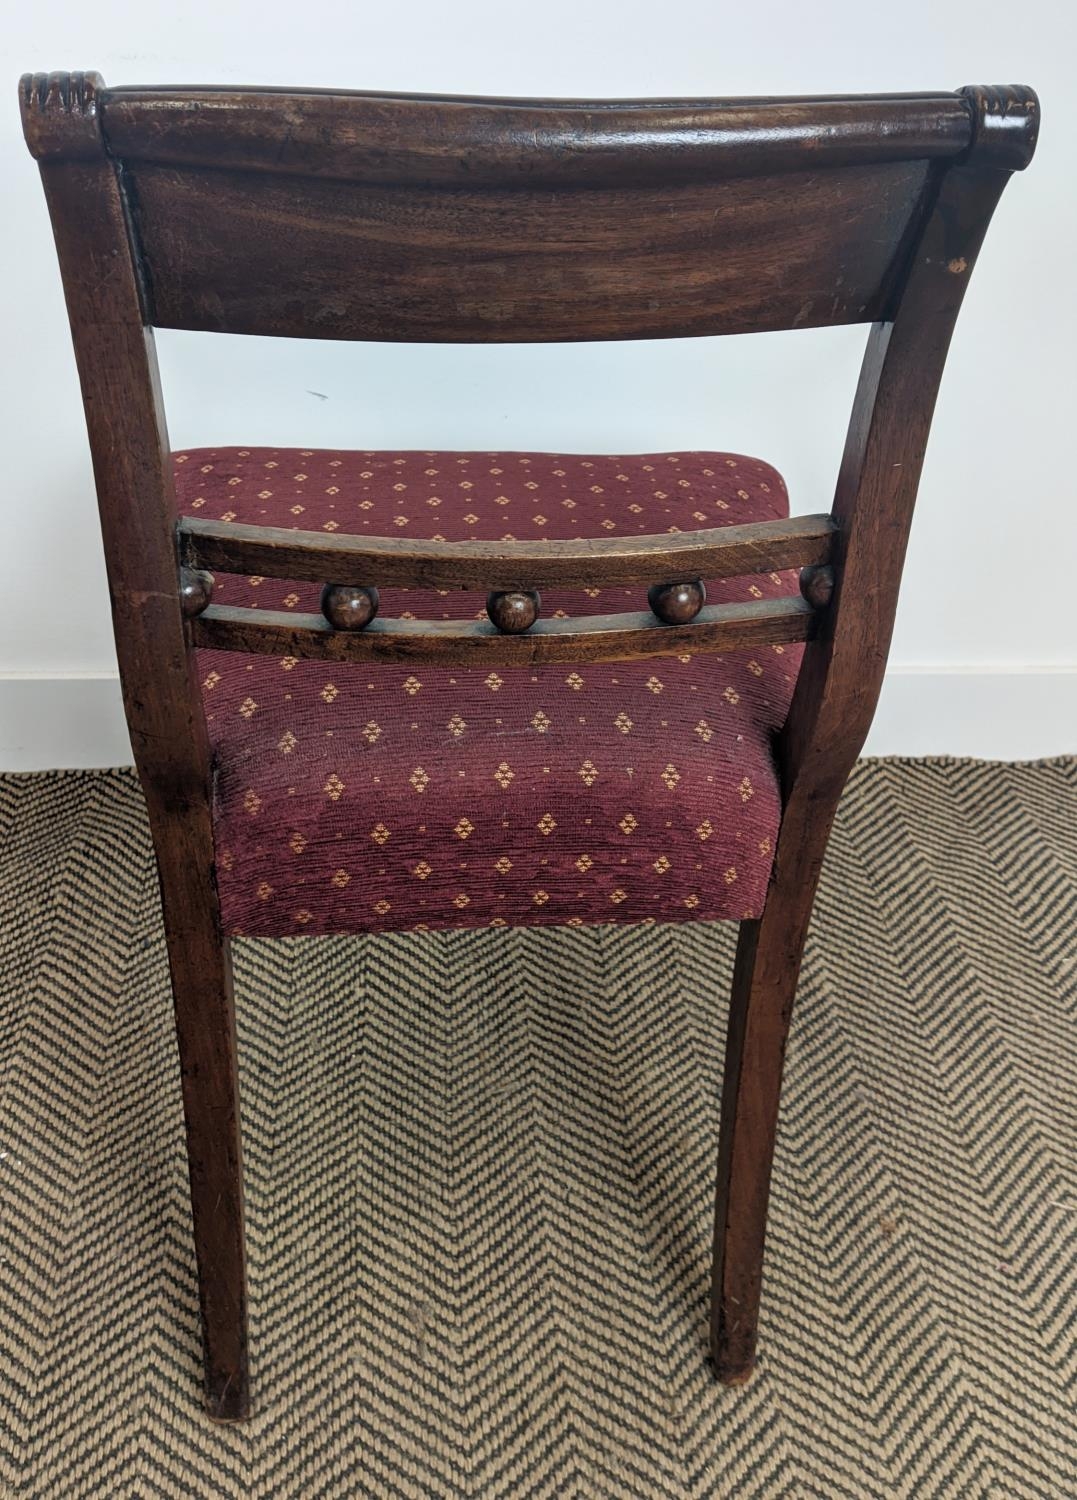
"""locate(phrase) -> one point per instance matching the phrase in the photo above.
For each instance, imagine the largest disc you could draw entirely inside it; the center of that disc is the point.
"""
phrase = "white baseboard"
(994, 713)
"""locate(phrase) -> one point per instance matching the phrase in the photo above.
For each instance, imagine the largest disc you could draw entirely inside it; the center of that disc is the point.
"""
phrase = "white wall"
(985, 655)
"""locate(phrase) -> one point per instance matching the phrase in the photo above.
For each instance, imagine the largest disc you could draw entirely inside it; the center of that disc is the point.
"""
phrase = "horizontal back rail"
(465, 142)
(367, 216)
(312, 556)
(263, 253)
(472, 643)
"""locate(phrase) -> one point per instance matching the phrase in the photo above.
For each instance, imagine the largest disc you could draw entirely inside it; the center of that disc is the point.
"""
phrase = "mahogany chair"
(336, 768)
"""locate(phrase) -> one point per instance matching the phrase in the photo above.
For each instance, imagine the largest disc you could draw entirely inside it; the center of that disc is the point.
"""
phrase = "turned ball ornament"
(677, 603)
(195, 591)
(513, 611)
(347, 606)
(817, 584)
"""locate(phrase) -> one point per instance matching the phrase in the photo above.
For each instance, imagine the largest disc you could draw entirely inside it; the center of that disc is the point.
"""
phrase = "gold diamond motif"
(493, 682)
(333, 787)
(251, 801)
(746, 790)
(705, 732)
(461, 900)
(671, 776)
(653, 685)
(623, 723)
(372, 732)
(546, 825)
(419, 779)
(584, 863)
(330, 692)
(705, 830)
(341, 879)
(503, 775)
(628, 823)
(411, 686)
(297, 843)
(691, 902)
(730, 875)
(661, 865)
(288, 662)
(503, 865)
(731, 696)
(265, 890)
(753, 666)
(464, 829)
(211, 681)
(575, 681)
(456, 726)
(540, 898)
(379, 833)
(287, 742)
(541, 722)
(618, 896)
(588, 773)
(422, 870)
(381, 907)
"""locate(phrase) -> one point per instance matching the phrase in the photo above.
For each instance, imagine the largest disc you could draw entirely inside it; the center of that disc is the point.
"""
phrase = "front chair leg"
(201, 970)
(764, 985)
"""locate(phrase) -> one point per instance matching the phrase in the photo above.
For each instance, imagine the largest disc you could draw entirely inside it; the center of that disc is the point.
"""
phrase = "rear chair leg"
(201, 968)
(764, 985)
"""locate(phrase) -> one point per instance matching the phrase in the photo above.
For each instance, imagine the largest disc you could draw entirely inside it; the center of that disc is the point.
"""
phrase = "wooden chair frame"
(413, 217)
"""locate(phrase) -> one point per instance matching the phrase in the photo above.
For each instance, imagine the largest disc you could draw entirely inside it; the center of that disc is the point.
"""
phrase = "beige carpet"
(479, 1175)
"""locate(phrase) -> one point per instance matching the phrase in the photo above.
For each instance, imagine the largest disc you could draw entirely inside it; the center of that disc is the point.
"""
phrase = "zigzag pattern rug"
(480, 1172)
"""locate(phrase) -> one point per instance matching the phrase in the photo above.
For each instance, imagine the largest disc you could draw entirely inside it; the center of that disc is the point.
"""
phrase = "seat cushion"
(353, 798)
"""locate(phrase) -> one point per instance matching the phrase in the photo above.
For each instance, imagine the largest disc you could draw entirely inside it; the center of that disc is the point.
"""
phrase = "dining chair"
(318, 757)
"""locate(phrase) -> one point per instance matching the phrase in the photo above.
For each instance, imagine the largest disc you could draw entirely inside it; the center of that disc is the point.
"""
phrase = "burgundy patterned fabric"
(364, 798)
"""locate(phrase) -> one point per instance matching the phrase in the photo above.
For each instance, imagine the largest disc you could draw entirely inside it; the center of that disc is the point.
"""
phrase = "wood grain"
(129, 445)
(314, 556)
(258, 253)
(433, 140)
(721, 627)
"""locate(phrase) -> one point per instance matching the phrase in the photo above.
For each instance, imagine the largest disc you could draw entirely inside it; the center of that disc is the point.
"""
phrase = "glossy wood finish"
(349, 607)
(677, 603)
(479, 643)
(442, 140)
(514, 611)
(195, 591)
(339, 215)
(311, 556)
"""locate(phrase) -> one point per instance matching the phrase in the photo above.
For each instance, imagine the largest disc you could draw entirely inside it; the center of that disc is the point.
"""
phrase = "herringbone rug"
(479, 1174)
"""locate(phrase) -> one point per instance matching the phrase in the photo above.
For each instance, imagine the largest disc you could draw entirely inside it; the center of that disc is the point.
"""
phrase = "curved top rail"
(446, 140)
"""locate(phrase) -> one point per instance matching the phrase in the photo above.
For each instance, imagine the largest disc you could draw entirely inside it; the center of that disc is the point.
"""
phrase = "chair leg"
(764, 985)
(201, 970)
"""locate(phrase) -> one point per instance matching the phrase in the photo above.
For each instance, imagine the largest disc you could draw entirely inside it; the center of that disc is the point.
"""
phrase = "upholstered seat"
(353, 798)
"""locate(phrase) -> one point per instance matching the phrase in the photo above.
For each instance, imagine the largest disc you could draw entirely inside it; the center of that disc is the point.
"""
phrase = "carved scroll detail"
(1005, 124)
(60, 115)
